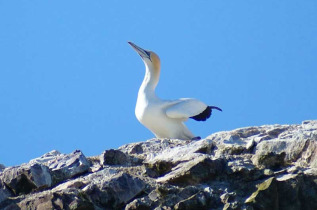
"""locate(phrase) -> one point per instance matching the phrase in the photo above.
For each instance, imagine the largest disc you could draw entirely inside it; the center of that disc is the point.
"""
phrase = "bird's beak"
(143, 53)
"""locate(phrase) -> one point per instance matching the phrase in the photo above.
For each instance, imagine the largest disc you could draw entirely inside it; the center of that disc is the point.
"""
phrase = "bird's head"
(150, 58)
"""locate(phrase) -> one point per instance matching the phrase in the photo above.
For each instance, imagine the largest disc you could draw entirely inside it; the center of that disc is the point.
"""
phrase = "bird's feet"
(196, 138)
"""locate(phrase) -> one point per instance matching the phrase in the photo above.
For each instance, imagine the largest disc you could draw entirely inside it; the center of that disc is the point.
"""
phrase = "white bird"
(165, 118)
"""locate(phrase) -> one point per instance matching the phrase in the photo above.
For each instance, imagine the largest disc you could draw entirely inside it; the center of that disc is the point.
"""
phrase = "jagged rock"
(228, 198)
(140, 203)
(47, 157)
(264, 167)
(106, 189)
(199, 200)
(291, 191)
(27, 178)
(114, 192)
(195, 171)
(44, 172)
(266, 195)
(64, 166)
(167, 160)
(152, 147)
(4, 192)
(269, 160)
(68, 199)
(114, 157)
(95, 164)
(2, 167)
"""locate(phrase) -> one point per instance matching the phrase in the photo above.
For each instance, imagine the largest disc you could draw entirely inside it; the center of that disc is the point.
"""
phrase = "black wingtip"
(205, 114)
(214, 107)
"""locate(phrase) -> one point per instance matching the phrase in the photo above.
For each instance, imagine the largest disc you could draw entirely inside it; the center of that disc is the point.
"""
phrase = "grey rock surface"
(64, 166)
(26, 178)
(264, 167)
(2, 167)
(4, 192)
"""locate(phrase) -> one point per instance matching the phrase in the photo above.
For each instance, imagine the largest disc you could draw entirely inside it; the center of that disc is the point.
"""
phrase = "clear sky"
(69, 80)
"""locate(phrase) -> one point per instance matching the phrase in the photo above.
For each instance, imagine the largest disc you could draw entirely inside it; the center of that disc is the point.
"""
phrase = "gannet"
(165, 118)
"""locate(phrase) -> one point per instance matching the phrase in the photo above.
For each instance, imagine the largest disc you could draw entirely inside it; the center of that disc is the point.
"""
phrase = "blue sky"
(69, 80)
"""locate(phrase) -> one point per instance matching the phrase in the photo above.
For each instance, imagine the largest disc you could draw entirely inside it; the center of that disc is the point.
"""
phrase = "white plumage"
(165, 118)
(185, 108)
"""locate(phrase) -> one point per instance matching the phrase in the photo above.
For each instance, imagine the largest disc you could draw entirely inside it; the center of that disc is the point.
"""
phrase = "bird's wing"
(186, 108)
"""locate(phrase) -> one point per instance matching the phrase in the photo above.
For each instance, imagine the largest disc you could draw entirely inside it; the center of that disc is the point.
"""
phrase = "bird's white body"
(165, 118)
(152, 113)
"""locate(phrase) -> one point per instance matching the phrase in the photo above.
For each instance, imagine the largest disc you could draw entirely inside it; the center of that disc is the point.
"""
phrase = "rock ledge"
(265, 167)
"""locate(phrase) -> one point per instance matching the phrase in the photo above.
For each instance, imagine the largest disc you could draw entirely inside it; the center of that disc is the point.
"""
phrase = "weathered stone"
(269, 160)
(290, 191)
(275, 132)
(158, 168)
(47, 157)
(9, 205)
(197, 201)
(245, 132)
(2, 167)
(152, 147)
(45, 201)
(115, 192)
(251, 143)
(228, 198)
(274, 166)
(94, 163)
(144, 203)
(195, 171)
(114, 157)
(164, 162)
(181, 153)
(241, 168)
(56, 200)
(136, 149)
(64, 166)
(308, 154)
(266, 196)
(68, 166)
(4, 192)
(27, 178)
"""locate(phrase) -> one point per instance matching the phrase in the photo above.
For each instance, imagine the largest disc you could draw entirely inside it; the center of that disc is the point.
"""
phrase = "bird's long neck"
(150, 81)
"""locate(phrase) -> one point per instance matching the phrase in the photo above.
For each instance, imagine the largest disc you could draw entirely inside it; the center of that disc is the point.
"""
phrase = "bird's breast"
(147, 111)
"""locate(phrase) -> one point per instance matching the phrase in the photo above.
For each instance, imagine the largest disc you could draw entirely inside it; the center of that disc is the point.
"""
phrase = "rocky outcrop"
(265, 167)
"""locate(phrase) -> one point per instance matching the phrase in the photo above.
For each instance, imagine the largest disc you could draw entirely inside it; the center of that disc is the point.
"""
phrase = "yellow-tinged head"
(155, 60)
(150, 58)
